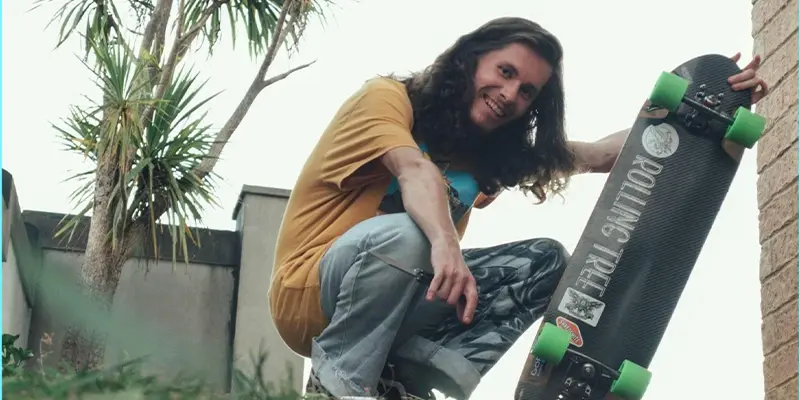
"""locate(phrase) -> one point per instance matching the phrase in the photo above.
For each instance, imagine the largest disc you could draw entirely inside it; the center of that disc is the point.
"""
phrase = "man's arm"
(598, 156)
(425, 200)
(424, 193)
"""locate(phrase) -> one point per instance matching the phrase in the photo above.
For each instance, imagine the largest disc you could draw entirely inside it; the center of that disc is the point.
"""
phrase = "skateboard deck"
(615, 299)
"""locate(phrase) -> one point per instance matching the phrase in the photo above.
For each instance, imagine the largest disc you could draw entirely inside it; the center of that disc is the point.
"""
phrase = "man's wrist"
(445, 239)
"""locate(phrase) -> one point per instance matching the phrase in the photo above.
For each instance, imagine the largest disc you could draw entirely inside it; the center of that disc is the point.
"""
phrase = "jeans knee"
(393, 238)
(390, 237)
(398, 235)
(550, 255)
(554, 246)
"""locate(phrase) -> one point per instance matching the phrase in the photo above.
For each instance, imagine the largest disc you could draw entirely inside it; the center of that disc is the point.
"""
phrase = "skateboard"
(617, 294)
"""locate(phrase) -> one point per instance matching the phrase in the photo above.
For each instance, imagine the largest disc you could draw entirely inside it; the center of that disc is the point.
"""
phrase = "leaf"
(101, 20)
(257, 18)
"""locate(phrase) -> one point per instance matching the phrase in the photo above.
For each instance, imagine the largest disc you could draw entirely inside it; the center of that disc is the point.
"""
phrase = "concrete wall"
(205, 317)
(18, 290)
(181, 318)
(16, 310)
(775, 39)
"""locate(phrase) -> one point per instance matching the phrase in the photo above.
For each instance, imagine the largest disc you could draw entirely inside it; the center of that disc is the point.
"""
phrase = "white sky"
(712, 348)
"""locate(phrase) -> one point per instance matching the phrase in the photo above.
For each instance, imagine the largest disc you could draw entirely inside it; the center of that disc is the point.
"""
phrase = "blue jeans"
(378, 314)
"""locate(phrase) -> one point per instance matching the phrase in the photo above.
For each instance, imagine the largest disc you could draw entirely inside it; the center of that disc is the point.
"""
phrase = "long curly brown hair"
(530, 152)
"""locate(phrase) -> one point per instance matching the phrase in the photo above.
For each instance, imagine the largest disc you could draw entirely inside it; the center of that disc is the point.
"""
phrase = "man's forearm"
(600, 155)
(582, 152)
(425, 200)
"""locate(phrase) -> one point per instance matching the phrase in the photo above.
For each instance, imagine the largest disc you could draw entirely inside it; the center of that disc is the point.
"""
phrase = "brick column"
(775, 39)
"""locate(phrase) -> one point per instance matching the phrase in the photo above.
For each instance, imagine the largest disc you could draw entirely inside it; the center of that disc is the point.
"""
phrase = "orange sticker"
(572, 328)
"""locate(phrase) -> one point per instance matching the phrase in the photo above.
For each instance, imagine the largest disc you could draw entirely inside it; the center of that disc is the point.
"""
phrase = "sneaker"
(391, 388)
(394, 390)
(314, 387)
(387, 390)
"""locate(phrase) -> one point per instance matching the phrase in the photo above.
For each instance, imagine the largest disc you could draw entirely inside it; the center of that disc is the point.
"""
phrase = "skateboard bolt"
(579, 389)
(587, 371)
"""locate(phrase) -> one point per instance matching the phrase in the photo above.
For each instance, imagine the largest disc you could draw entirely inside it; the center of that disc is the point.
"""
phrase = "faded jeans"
(378, 314)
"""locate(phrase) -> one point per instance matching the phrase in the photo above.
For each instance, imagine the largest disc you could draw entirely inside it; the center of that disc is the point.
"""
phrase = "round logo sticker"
(660, 140)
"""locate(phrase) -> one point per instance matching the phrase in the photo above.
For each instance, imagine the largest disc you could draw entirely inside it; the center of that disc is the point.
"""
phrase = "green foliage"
(146, 134)
(126, 381)
(100, 20)
(155, 157)
(258, 19)
(13, 357)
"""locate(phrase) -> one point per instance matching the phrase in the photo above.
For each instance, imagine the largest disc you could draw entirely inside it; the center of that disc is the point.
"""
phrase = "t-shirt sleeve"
(374, 121)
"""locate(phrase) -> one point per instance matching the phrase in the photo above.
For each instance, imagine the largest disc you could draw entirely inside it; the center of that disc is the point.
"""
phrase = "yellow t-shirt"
(341, 184)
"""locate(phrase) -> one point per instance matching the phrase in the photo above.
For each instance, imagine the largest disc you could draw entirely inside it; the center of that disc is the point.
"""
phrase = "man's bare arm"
(424, 193)
(598, 156)
(425, 200)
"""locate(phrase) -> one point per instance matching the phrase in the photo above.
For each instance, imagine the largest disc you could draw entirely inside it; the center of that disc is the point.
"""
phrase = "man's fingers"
(471, 295)
(764, 87)
(446, 286)
(760, 94)
(751, 83)
(754, 63)
(742, 76)
(457, 289)
(736, 57)
(434, 287)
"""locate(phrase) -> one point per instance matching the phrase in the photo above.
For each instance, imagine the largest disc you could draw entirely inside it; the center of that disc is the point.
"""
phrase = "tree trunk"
(85, 340)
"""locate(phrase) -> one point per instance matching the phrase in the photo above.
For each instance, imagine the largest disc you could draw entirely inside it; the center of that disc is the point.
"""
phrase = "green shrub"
(125, 381)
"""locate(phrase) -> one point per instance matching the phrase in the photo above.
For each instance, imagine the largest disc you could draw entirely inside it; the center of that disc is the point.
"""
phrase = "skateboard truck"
(671, 91)
(712, 101)
(708, 105)
(583, 375)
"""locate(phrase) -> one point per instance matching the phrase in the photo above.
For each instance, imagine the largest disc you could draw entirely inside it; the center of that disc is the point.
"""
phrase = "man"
(392, 184)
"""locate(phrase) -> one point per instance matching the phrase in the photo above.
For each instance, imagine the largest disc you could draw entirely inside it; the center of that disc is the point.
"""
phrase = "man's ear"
(483, 200)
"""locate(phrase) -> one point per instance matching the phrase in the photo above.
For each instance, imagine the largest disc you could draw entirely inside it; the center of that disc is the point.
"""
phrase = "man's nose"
(510, 93)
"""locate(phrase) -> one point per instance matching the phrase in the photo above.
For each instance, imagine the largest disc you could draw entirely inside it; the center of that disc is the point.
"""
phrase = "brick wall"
(775, 39)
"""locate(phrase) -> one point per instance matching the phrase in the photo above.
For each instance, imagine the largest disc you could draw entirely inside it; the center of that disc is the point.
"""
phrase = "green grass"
(25, 378)
(126, 381)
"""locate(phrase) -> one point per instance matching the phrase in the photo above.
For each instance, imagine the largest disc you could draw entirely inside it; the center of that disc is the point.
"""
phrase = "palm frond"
(164, 150)
(142, 9)
(257, 19)
(100, 18)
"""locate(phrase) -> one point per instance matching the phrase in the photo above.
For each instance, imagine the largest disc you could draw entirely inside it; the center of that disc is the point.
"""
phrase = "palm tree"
(152, 149)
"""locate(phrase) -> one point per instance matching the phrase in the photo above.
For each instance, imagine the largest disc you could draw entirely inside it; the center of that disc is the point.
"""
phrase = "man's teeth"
(495, 107)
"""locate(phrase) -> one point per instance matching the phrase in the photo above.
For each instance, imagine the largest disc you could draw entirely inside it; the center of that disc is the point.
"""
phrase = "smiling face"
(507, 81)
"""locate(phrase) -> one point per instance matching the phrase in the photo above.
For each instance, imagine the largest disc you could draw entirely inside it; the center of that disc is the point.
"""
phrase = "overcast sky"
(611, 63)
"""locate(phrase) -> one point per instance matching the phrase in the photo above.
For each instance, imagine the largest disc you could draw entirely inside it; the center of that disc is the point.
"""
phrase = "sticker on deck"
(573, 329)
(582, 307)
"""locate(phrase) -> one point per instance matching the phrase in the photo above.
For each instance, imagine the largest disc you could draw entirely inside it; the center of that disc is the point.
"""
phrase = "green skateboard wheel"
(632, 383)
(669, 91)
(746, 129)
(552, 343)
